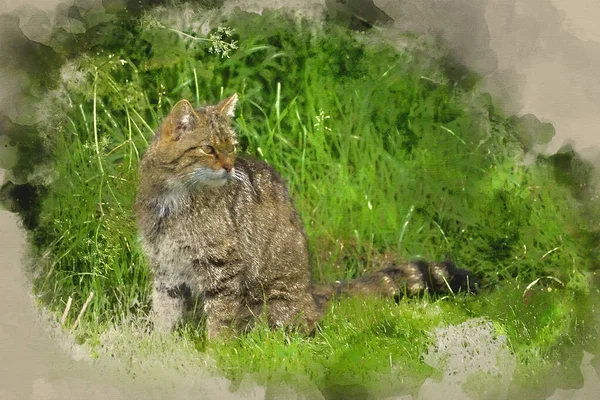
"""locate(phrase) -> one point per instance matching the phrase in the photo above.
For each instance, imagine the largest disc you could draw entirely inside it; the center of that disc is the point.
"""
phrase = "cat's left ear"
(182, 118)
(227, 106)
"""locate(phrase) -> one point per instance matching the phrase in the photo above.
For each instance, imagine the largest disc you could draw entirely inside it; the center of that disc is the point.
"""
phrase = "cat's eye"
(207, 149)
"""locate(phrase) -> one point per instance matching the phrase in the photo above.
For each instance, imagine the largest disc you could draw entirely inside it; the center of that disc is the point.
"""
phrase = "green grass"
(385, 151)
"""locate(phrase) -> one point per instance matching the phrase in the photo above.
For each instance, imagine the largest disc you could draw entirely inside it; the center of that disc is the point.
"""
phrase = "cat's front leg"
(223, 316)
(169, 303)
(293, 311)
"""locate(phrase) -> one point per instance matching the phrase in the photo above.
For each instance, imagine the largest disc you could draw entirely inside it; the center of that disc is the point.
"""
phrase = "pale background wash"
(539, 56)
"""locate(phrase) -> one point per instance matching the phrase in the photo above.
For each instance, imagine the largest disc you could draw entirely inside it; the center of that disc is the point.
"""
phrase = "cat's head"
(198, 146)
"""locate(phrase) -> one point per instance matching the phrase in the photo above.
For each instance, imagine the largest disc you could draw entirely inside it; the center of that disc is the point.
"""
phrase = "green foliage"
(384, 150)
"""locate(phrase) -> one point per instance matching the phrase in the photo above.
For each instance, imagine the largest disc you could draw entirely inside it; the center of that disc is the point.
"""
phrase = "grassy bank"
(389, 151)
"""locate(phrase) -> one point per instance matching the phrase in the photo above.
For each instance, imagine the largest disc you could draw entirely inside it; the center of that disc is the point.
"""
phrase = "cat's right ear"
(182, 119)
(227, 106)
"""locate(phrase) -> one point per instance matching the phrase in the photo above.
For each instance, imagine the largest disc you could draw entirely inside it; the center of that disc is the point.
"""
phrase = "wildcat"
(223, 229)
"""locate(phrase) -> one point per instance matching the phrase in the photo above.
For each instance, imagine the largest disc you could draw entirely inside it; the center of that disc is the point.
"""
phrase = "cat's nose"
(227, 167)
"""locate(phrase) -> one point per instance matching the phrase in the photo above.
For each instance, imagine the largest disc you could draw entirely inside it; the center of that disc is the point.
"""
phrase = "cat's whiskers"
(205, 176)
(242, 177)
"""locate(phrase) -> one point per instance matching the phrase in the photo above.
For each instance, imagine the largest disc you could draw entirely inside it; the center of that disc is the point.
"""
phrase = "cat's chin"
(209, 178)
(213, 183)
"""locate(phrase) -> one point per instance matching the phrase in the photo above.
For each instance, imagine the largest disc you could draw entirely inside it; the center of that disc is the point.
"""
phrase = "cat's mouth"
(210, 177)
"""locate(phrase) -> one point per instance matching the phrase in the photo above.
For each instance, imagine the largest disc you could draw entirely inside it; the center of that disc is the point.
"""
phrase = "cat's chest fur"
(198, 239)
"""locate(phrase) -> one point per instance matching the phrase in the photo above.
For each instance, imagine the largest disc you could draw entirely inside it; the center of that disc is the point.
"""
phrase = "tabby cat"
(223, 229)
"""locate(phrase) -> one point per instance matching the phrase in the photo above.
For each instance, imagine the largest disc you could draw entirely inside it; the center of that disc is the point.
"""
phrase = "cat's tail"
(396, 280)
